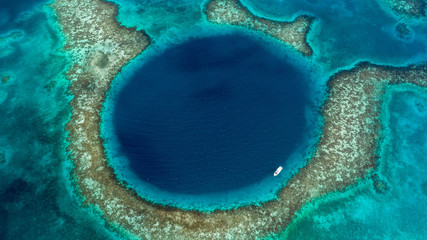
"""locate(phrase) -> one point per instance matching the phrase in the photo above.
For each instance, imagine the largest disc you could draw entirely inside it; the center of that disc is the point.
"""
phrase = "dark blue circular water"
(210, 115)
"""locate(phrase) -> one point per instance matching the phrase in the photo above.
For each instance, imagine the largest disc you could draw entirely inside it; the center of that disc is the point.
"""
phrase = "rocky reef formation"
(407, 8)
(5, 79)
(232, 12)
(402, 31)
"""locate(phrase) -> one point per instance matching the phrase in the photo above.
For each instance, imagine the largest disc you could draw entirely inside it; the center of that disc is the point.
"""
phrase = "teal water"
(346, 31)
(362, 30)
(36, 197)
(36, 194)
(396, 213)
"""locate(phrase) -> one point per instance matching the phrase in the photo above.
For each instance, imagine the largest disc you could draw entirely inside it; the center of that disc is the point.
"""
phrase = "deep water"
(211, 115)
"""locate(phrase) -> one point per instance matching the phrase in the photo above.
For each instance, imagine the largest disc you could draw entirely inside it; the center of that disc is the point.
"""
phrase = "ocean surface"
(37, 199)
(211, 116)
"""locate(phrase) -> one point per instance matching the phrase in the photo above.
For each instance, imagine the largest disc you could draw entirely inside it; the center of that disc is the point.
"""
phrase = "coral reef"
(232, 12)
(5, 79)
(407, 8)
(403, 32)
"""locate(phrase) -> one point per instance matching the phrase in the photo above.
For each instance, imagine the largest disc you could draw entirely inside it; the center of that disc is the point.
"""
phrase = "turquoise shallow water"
(346, 31)
(361, 30)
(36, 197)
(397, 213)
(36, 192)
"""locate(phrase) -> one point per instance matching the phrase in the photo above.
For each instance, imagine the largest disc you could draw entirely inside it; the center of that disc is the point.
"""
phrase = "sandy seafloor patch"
(36, 196)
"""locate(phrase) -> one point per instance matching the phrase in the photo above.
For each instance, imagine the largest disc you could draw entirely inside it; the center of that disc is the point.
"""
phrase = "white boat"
(278, 170)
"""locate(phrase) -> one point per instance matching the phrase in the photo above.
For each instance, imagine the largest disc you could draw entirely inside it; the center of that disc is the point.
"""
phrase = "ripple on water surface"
(205, 123)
